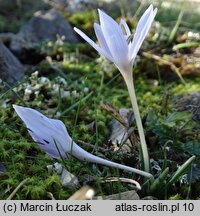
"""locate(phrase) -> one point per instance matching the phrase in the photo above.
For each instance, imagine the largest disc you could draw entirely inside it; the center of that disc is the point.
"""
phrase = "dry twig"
(17, 188)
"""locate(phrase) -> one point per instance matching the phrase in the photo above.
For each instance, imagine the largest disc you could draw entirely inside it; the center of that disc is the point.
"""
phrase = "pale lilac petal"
(100, 37)
(146, 24)
(115, 39)
(142, 30)
(124, 25)
(46, 132)
(143, 20)
(121, 59)
(94, 45)
(59, 125)
(31, 117)
(48, 144)
(110, 27)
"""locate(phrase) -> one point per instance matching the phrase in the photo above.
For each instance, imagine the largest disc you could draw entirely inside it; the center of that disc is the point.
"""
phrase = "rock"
(68, 180)
(43, 26)
(3, 170)
(6, 37)
(128, 195)
(11, 70)
(189, 103)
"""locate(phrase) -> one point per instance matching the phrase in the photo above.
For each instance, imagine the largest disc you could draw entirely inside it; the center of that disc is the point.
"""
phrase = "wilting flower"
(116, 45)
(52, 136)
(115, 39)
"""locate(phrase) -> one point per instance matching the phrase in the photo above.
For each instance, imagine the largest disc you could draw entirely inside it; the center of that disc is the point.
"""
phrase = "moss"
(191, 86)
(83, 20)
(53, 183)
(35, 189)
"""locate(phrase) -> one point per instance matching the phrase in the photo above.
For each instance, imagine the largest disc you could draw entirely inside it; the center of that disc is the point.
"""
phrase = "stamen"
(130, 38)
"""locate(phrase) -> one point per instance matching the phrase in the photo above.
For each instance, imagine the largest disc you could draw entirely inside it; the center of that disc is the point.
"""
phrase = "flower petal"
(143, 20)
(49, 146)
(100, 37)
(115, 39)
(94, 45)
(50, 134)
(142, 30)
(124, 25)
(121, 59)
(147, 25)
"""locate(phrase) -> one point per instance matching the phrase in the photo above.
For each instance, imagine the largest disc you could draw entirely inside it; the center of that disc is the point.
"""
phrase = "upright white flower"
(116, 45)
(113, 38)
(51, 135)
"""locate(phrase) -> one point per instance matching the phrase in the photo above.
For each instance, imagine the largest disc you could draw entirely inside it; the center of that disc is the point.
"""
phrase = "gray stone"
(128, 195)
(67, 179)
(186, 102)
(42, 26)
(11, 70)
(189, 103)
(3, 170)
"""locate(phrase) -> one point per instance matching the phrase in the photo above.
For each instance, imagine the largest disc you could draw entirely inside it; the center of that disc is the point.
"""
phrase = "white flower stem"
(81, 154)
(145, 156)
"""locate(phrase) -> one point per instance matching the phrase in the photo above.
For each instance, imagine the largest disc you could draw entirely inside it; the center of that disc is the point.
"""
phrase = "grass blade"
(181, 171)
(158, 182)
(76, 104)
(186, 45)
(175, 29)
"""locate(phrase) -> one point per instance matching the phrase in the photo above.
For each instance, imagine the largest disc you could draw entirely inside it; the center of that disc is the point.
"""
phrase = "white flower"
(113, 39)
(52, 136)
(116, 45)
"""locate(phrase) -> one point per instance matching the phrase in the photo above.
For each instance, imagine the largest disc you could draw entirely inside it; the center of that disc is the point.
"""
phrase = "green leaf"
(159, 181)
(151, 119)
(192, 147)
(186, 45)
(175, 117)
(175, 29)
(181, 170)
